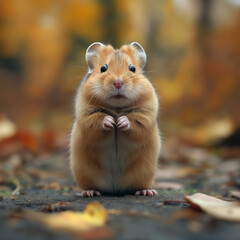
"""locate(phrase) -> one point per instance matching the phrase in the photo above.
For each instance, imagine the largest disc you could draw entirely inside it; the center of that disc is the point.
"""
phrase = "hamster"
(115, 141)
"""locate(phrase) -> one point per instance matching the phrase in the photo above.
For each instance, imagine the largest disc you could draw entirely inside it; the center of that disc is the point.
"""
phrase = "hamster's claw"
(90, 193)
(123, 123)
(150, 192)
(108, 123)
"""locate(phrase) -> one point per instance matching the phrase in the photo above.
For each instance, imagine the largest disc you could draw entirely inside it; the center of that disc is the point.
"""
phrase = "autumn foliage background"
(193, 50)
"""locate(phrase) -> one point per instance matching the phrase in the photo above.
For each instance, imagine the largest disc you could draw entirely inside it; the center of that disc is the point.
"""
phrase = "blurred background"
(193, 49)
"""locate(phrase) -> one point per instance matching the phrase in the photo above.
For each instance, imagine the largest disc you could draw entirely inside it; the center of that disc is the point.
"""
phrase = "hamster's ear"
(92, 53)
(140, 54)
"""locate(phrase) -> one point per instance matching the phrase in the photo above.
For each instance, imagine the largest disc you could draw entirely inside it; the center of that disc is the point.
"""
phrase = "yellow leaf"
(94, 215)
(217, 208)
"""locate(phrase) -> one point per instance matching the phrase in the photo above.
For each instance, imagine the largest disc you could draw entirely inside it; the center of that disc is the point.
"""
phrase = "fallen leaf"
(21, 140)
(215, 207)
(94, 215)
(168, 185)
(14, 140)
(235, 194)
(18, 186)
(56, 207)
(11, 188)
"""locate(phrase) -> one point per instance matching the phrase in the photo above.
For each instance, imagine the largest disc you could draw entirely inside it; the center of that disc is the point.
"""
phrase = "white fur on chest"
(115, 152)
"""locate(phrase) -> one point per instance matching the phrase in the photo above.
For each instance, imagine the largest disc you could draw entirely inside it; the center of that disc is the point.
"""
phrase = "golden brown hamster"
(115, 141)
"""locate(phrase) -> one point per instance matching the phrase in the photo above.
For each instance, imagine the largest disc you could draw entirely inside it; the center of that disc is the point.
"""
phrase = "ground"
(48, 180)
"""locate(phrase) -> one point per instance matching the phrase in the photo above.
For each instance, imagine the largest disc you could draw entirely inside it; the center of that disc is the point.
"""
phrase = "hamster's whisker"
(134, 76)
(97, 93)
(131, 77)
(105, 93)
(137, 96)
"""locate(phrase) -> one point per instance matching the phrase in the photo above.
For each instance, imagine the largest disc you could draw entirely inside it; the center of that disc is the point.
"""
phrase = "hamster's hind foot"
(150, 192)
(90, 193)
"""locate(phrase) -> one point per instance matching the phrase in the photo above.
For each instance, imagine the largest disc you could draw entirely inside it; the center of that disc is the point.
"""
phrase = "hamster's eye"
(104, 68)
(132, 68)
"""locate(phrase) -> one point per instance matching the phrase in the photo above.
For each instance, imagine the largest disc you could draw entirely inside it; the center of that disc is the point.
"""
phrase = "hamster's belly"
(114, 156)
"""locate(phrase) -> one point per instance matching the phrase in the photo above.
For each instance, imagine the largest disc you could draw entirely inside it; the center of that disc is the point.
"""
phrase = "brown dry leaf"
(19, 141)
(94, 215)
(56, 207)
(168, 185)
(235, 194)
(217, 208)
(14, 140)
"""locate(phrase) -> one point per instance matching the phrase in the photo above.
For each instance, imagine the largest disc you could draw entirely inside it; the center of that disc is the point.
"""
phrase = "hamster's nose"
(118, 83)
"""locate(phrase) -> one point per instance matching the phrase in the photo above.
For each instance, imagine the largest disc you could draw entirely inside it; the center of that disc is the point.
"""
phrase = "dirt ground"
(166, 216)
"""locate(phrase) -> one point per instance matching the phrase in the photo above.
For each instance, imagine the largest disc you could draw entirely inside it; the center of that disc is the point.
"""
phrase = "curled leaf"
(235, 194)
(217, 208)
(12, 188)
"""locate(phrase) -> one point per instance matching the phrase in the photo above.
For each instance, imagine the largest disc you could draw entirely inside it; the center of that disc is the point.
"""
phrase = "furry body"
(115, 160)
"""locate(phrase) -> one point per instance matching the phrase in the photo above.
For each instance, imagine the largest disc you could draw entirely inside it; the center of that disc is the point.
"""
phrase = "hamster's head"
(115, 77)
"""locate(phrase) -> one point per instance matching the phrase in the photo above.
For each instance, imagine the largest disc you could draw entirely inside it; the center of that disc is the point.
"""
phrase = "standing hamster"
(115, 141)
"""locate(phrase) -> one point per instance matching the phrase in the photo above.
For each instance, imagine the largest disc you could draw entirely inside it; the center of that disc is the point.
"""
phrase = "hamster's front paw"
(123, 123)
(108, 123)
